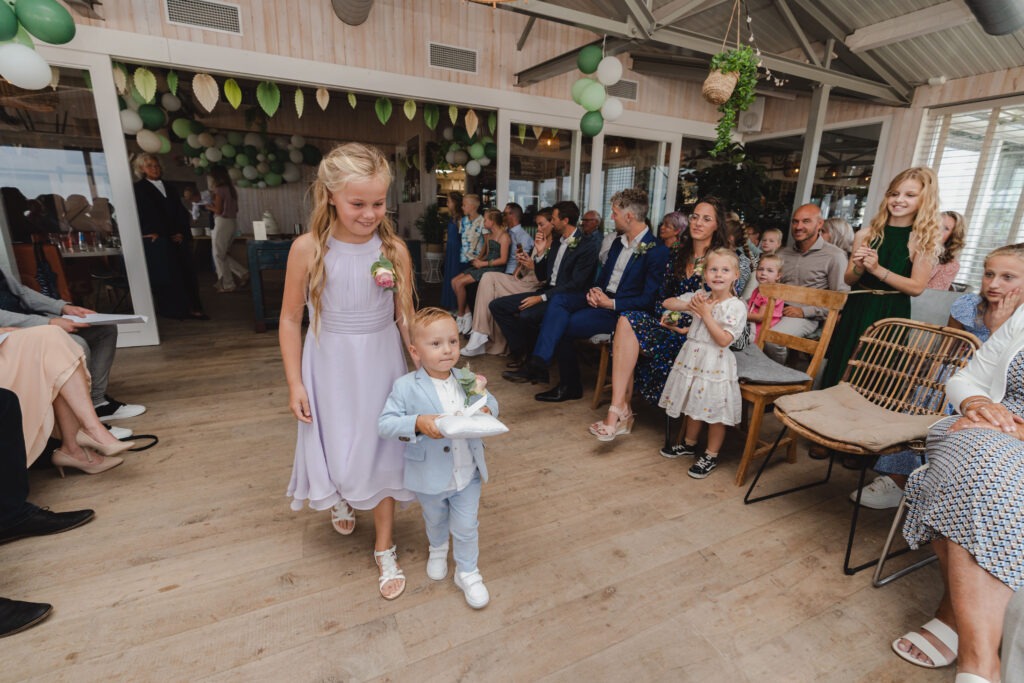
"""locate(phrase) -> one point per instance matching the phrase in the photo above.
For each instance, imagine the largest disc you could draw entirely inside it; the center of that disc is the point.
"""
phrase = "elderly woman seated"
(46, 369)
(969, 503)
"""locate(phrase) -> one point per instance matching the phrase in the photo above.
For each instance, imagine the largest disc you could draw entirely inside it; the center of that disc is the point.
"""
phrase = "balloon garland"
(22, 20)
(590, 91)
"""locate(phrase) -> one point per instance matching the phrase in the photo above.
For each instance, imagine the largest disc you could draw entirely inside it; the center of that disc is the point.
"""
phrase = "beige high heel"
(623, 424)
(86, 441)
(61, 460)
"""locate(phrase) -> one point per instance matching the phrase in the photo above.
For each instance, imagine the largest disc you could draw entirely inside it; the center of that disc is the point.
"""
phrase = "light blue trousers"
(455, 513)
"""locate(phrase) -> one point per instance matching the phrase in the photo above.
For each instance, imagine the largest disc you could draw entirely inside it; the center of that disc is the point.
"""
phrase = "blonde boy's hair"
(426, 317)
(475, 198)
(772, 231)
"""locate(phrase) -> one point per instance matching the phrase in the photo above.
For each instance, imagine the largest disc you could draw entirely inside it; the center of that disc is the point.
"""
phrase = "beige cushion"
(841, 414)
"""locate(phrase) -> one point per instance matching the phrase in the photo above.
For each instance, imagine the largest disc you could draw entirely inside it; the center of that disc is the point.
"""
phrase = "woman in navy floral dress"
(645, 345)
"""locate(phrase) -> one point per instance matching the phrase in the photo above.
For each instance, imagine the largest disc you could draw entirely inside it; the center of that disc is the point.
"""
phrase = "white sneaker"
(437, 562)
(120, 433)
(881, 494)
(115, 410)
(469, 323)
(472, 585)
(475, 346)
(460, 323)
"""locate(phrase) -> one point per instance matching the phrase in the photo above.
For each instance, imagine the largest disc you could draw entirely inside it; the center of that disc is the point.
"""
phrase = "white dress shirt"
(453, 400)
(628, 247)
(159, 185)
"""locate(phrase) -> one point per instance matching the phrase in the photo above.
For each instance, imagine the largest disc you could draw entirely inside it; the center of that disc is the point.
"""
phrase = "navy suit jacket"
(576, 270)
(641, 280)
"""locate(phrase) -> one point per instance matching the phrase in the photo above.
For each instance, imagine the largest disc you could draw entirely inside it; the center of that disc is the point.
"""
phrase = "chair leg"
(850, 571)
(877, 581)
(753, 439)
(602, 374)
(747, 500)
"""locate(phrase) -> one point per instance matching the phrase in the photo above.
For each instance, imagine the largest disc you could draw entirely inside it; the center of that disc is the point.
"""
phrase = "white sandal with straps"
(942, 632)
(623, 425)
(387, 560)
(343, 512)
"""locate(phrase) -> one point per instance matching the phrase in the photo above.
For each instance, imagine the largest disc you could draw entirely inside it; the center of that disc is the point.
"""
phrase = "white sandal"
(387, 560)
(343, 512)
(623, 424)
(943, 633)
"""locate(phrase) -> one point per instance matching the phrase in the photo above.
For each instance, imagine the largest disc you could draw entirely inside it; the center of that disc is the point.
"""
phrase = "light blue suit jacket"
(428, 462)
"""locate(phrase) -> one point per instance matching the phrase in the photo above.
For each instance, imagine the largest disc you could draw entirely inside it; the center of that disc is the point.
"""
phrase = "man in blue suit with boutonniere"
(629, 281)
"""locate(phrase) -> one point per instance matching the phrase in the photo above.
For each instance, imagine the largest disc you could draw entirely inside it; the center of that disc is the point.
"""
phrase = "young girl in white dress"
(354, 275)
(703, 384)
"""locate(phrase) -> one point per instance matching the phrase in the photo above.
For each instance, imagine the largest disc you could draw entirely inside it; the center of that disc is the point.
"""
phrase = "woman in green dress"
(892, 260)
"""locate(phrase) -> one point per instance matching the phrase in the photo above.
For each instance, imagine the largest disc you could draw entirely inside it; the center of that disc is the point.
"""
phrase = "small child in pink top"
(769, 269)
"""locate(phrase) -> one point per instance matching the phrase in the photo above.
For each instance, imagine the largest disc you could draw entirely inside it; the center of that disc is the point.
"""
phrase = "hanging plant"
(742, 62)
(269, 97)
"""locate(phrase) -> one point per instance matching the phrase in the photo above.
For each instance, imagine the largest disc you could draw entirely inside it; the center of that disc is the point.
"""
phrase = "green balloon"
(591, 123)
(195, 127)
(228, 150)
(242, 159)
(180, 127)
(593, 96)
(153, 117)
(22, 37)
(47, 20)
(273, 179)
(8, 22)
(578, 87)
(120, 101)
(165, 145)
(588, 59)
(491, 150)
(236, 138)
(476, 150)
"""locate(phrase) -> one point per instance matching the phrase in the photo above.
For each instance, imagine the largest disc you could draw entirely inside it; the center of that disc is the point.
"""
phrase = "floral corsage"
(472, 384)
(643, 248)
(572, 243)
(383, 271)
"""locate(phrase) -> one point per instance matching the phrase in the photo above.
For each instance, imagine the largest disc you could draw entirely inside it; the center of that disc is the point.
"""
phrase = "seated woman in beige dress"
(486, 336)
(46, 369)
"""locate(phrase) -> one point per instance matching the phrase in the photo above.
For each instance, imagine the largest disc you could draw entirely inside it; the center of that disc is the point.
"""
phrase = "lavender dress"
(348, 372)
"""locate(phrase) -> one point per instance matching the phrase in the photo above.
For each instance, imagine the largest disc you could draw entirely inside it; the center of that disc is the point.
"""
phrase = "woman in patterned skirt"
(969, 503)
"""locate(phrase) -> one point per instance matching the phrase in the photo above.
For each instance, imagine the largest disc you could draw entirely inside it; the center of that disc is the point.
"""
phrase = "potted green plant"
(739, 65)
(432, 224)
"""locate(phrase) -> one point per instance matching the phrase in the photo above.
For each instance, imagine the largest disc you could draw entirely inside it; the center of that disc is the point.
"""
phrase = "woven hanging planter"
(718, 86)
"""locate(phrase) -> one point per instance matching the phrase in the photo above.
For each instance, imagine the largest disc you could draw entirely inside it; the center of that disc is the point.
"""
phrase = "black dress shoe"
(16, 615)
(560, 393)
(516, 363)
(518, 376)
(41, 522)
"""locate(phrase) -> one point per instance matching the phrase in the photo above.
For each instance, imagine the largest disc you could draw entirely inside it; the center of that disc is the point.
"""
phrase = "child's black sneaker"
(678, 451)
(703, 467)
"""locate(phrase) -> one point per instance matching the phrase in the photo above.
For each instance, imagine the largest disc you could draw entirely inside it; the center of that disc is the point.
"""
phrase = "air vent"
(454, 58)
(212, 16)
(624, 90)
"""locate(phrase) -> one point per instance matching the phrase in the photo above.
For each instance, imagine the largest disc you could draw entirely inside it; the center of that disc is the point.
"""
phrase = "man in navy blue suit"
(628, 281)
(569, 266)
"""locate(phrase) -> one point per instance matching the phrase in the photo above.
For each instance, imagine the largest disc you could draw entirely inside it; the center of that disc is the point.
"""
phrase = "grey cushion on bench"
(754, 367)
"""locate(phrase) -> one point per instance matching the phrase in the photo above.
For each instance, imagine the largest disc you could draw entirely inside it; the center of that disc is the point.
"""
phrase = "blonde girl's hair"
(1006, 250)
(724, 252)
(495, 217)
(957, 238)
(926, 232)
(344, 164)
(774, 258)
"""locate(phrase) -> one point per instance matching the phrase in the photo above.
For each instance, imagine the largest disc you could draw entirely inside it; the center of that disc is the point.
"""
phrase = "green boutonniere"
(573, 243)
(642, 248)
(472, 384)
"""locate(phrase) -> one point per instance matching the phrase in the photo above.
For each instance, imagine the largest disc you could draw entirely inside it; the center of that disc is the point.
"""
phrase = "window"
(978, 153)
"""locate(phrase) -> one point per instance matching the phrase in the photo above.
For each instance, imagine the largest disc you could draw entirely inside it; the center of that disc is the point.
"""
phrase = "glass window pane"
(540, 167)
(630, 162)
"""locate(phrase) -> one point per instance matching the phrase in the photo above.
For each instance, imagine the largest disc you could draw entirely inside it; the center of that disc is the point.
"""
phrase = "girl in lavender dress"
(354, 275)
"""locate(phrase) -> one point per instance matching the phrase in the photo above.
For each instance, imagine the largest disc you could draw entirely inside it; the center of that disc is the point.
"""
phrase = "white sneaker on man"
(881, 494)
(112, 409)
(437, 562)
(476, 344)
(472, 585)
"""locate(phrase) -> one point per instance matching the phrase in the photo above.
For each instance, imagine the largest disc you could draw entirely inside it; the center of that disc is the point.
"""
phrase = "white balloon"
(24, 67)
(250, 172)
(461, 156)
(170, 102)
(291, 174)
(261, 184)
(131, 122)
(609, 71)
(263, 167)
(131, 102)
(214, 154)
(261, 157)
(193, 140)
(448, 133)
(611, 109)
(473, 167)
(295, 156)
(235, 173)
(484, 161)
(450, 157)
(254, 139)
(148, 141)
(206, 140)
(298, 141)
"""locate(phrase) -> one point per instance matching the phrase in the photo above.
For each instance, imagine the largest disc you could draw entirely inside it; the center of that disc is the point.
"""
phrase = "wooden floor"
(605, 562)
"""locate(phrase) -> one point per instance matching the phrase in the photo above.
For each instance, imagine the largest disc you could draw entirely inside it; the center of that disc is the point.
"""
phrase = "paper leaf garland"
(172, 82)
(492, 122)
(382, 107)
(538, 131)
(431, 116)
(145, 83)
(206, 91)
(522, 134)
(453, 113)
(352, 100)
(120, 79)
(300, 102)
(472, 122)
(269, 97)
(323, 98)
(409, 109)
(232, 93)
